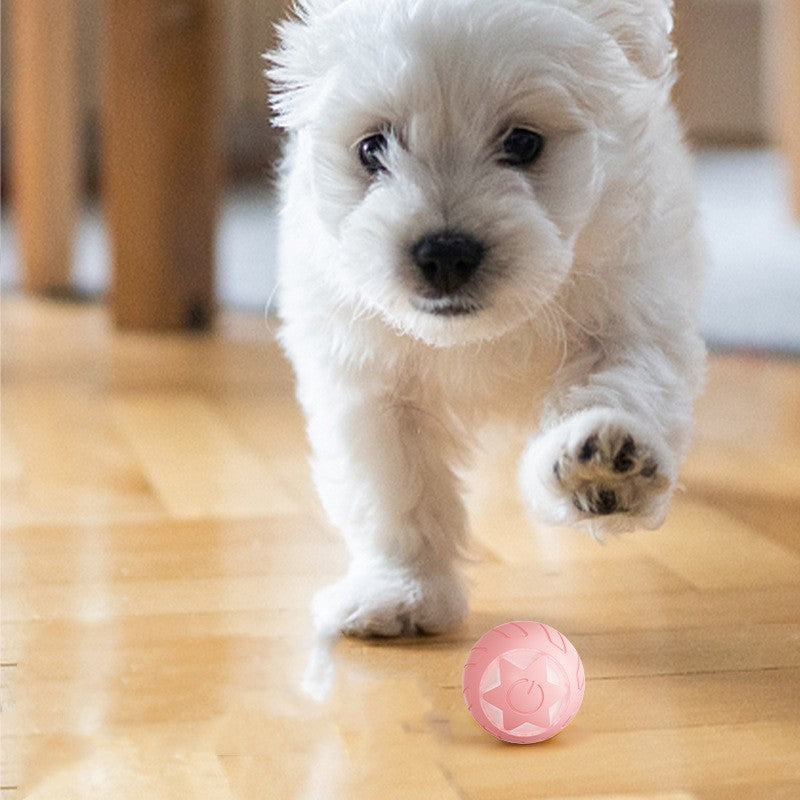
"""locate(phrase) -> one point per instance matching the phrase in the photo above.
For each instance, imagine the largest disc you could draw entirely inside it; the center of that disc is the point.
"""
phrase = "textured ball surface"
(523, 682)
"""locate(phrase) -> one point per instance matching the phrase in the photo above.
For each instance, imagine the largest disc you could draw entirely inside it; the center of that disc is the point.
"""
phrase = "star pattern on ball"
(525, 695)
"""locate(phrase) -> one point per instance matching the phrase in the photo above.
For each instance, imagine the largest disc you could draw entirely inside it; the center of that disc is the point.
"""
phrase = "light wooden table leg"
(162, 159)
(787, 32)
(46, 162)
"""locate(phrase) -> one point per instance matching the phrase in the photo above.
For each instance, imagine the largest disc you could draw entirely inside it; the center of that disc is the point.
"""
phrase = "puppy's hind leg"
(381, 469)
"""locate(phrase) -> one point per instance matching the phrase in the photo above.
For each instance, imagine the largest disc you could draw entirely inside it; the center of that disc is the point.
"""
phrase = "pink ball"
(523, 682)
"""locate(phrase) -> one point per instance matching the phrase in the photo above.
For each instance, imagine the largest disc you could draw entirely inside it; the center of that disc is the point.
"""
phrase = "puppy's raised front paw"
(609, 471)
(599, 464)
(378, 600)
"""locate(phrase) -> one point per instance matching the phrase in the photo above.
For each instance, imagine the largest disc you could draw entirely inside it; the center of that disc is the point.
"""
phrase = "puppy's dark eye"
(370, 151)
(521, 147)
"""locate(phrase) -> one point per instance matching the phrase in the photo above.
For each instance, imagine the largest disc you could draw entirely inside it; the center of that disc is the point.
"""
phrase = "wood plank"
(72, 465)
(194, 462)
(636, 761)
(743, 556)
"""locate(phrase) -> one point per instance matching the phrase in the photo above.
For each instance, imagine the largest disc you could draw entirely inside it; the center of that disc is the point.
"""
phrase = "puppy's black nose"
(447, 260)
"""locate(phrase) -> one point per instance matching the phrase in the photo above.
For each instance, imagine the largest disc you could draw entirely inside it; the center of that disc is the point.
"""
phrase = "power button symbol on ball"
(523, 682)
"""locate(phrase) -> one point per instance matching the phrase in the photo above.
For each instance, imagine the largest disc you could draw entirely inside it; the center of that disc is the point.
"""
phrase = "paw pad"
(597, 501)
(589, 449)
(609, 472)
(624, 459)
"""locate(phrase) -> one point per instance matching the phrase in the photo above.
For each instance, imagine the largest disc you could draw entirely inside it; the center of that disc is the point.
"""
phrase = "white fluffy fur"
(587, 331)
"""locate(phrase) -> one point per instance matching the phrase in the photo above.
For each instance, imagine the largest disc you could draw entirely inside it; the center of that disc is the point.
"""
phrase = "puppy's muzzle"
(447, 260)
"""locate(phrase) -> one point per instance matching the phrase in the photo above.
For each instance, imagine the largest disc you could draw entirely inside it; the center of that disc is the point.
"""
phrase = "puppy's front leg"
(613, 437)
(381, 470)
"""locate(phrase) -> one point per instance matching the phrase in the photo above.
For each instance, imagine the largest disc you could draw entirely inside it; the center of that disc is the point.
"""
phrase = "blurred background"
(122, 120)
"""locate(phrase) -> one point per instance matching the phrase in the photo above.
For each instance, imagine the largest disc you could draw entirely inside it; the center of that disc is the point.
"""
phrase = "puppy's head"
(457, 149)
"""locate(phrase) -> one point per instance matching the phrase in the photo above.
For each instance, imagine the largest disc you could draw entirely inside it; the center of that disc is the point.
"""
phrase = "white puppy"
(487, 209)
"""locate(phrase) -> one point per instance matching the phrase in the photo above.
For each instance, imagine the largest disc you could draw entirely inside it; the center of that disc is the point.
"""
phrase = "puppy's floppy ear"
(298, 61)
(642, 29)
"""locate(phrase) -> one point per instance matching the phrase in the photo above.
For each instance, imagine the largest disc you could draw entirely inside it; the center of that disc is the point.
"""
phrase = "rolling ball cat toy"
(523, 682)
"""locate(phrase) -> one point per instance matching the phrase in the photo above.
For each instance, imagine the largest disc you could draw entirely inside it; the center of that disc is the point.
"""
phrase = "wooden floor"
(161, 543)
